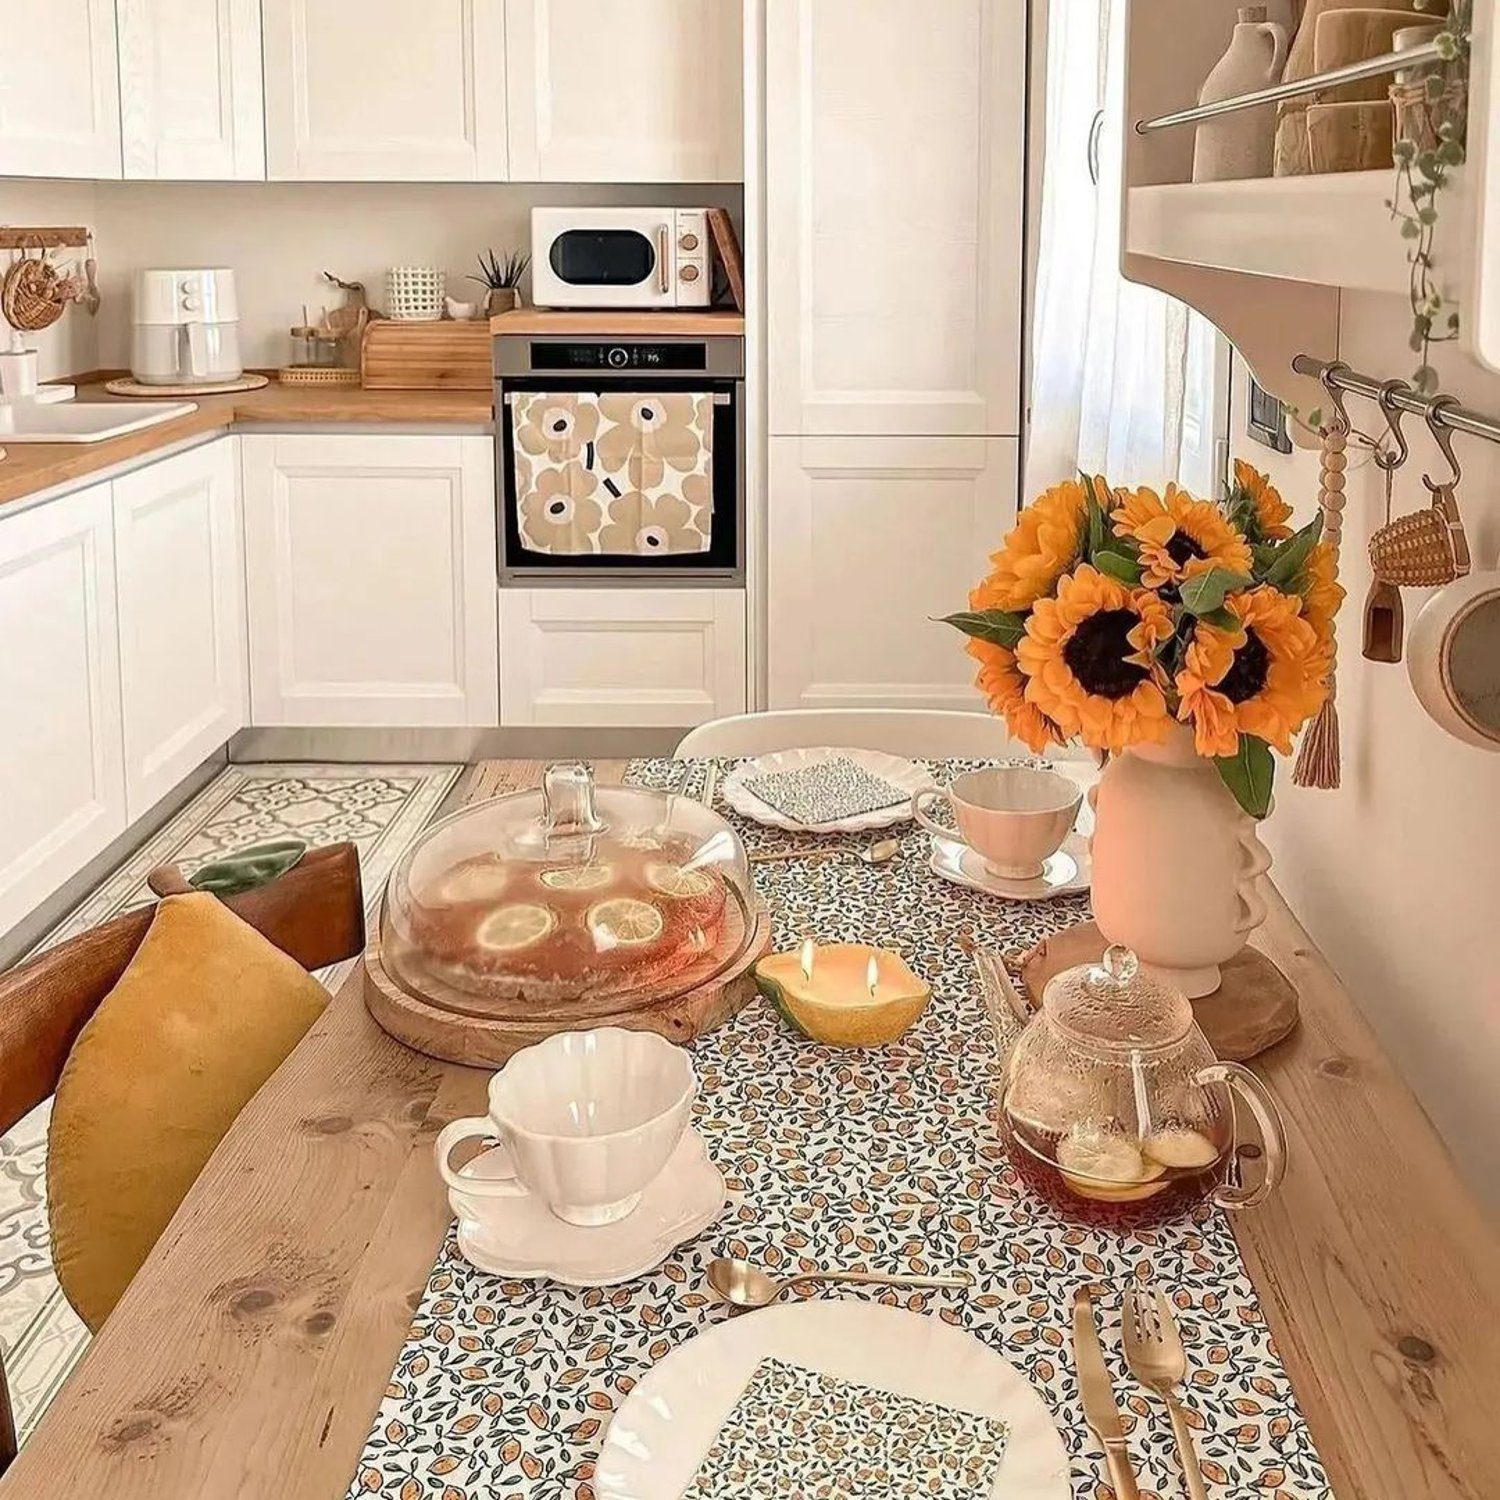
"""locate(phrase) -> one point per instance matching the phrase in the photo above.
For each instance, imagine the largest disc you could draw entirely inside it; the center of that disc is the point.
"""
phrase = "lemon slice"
(677, 882)
(1183, 1149)
(1105, 1158)
(623, 922)
(477, 880)
(510, 928)
(578, 877)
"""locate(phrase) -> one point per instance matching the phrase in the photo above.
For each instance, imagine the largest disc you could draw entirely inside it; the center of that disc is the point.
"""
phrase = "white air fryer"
(187, 329)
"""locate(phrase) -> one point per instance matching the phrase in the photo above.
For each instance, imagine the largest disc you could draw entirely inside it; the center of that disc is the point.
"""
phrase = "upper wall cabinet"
(895, 150)
(190, 89)
(624, 90)
(59, 99)
(385, 90)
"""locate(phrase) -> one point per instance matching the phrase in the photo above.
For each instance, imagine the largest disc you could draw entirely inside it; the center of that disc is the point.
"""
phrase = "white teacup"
(1015, 817)
(586, 1120)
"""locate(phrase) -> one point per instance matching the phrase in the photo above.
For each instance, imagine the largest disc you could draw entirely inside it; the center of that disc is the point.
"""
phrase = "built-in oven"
(620, 459)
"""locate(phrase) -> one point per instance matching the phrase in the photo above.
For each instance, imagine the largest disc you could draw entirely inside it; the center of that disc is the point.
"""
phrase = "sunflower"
(1042, 545)
(1089, 655)
(1178, 536)
(1263, 676)
(1000, 681)
(1268, 511)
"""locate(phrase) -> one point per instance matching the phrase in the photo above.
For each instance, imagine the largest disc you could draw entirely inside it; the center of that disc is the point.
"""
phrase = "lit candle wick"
(872, 975)
(806, 959)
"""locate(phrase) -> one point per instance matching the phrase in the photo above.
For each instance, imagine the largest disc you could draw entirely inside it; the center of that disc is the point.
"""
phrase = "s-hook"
(1341, 423)
(1442, 435)
(1389, 462)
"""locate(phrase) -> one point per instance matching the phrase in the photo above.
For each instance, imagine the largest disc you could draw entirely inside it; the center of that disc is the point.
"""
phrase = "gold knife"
(1100, 1409)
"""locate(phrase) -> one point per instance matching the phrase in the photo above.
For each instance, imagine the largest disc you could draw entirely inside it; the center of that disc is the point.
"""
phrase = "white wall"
(1397, 874)
(71, 344)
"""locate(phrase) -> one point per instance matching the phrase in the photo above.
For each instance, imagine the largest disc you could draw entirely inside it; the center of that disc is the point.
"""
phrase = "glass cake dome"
(575, 901)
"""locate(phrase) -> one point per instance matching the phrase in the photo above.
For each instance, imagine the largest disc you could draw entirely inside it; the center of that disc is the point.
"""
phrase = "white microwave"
(620, 257)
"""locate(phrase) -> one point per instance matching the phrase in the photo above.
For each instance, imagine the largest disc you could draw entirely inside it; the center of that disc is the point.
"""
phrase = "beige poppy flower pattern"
(637, 468)
(885, 1158)
(797, 1434)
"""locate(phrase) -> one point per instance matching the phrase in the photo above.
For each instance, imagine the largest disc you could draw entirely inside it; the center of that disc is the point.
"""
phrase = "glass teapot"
(1113, 1106)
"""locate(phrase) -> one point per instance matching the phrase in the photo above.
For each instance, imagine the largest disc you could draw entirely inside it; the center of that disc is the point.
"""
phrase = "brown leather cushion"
(202, 1016)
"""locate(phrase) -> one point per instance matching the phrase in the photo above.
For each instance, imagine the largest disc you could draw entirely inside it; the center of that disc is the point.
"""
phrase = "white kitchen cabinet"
(180, 582)
(624, 90)
(895, 184)
(385, 90)
(62, 776)
(870, 538)
(190, 89)
(370, 579)
(632, 657)
(59, 94)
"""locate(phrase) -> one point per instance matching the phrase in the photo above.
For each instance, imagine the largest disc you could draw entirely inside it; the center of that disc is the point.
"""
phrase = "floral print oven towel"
(795, 1434)
(626, 473)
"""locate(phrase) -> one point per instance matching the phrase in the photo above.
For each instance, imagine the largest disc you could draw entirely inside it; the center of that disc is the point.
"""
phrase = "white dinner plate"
(896, 769)
(662, 1432)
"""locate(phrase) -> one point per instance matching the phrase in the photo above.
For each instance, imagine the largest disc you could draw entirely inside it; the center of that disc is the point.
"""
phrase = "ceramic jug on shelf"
(1242, 144)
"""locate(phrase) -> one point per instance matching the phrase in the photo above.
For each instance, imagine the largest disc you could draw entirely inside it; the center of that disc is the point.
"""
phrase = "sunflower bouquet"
(1110, 614)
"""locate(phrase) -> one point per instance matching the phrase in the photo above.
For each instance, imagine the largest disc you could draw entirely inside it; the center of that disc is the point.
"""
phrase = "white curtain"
(1122, 376)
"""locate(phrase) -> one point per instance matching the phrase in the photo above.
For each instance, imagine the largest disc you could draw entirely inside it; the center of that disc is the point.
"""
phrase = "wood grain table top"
(249, 1355)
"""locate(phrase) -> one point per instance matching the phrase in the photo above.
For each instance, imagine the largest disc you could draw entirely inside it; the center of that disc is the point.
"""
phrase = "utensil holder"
(414, 293)
(1423, 549)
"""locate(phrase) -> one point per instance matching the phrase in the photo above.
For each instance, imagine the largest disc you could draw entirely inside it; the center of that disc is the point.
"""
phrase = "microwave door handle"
(663, 248)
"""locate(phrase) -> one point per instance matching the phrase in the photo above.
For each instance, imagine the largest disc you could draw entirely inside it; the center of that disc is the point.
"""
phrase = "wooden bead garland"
(1318, 758)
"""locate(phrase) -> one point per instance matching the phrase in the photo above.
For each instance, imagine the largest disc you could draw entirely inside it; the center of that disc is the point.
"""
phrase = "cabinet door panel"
(633, 657)
(385, 90)
(625, 90)
(59, 90)
(182, 616)
(895, 153)
(62, 787)
(190, 89)
(370, 564)
(869, 540)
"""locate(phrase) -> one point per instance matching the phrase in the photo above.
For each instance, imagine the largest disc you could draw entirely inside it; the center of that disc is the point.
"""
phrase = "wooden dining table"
(250, 1353)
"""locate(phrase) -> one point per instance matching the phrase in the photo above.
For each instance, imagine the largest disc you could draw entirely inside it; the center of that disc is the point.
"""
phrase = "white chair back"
(941, 733)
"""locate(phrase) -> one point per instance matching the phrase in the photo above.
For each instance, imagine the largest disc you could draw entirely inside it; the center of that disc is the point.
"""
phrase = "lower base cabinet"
(871, 541)
(370, 579)
(629, 657)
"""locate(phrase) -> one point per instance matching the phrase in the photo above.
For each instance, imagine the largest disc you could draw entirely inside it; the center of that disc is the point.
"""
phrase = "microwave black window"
(602, 257)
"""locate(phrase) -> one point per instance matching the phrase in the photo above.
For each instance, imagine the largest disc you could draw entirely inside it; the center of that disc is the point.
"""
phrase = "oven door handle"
(663, 246)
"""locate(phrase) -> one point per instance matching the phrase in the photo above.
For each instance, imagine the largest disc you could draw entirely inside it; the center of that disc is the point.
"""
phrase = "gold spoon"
(881, 852)
(741, 1284)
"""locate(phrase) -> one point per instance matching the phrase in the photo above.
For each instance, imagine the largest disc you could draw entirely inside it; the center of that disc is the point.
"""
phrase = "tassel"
(1318, 756)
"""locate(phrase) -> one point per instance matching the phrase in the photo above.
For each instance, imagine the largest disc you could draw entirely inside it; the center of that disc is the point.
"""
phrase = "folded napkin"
(795, 1434)
(825, 791)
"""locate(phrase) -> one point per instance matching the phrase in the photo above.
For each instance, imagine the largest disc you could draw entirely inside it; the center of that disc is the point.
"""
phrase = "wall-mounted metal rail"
(1401, 396)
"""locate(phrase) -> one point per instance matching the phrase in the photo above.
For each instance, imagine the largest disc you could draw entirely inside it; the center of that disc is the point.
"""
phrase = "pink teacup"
(1015, 817)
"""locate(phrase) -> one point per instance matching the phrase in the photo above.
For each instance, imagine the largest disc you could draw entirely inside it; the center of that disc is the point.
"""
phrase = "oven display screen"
(594, 356)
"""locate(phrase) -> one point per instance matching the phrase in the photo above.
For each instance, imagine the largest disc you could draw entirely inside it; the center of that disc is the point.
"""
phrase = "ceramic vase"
(1176, 863)
(1241, 145)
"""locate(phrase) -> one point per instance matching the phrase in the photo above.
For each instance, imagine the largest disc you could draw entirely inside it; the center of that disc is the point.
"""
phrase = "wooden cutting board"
(396, 355)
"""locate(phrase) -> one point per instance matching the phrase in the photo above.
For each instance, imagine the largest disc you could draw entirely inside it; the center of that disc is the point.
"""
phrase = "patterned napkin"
(825, 791)
(797, 1435)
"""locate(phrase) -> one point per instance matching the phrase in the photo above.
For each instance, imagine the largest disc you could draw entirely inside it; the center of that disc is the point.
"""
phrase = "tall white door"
(385, 90)
(180, 578)
(62, 782)
(624, 90)
(190, 89)
(370, 572)
(895, 183)
(59, 95)
(870, 540)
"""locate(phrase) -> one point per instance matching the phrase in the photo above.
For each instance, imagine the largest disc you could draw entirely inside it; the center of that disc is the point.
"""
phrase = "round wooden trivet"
(1254, 1007)
(128, 387)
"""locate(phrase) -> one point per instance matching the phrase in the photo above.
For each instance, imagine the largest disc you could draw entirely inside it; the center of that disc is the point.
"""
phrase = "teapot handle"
(1272, 1133)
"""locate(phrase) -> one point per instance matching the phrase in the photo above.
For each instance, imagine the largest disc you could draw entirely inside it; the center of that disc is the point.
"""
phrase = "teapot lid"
(1116, 1003)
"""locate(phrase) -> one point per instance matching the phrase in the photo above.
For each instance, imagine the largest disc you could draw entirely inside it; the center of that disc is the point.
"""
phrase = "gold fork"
(1154, 1352)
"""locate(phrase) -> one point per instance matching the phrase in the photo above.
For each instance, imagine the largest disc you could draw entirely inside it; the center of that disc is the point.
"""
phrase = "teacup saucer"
(521, 1237)
(1066, 873)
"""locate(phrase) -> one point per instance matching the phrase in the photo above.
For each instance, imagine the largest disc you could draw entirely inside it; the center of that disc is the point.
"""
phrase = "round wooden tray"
(488, 1041)
(128, 387)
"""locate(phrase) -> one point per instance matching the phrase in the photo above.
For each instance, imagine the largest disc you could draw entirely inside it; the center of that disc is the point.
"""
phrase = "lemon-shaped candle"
(844, 994)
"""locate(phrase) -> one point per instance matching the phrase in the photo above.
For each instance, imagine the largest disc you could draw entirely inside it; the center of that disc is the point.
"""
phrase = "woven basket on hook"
(33, 295)
(1416, 551)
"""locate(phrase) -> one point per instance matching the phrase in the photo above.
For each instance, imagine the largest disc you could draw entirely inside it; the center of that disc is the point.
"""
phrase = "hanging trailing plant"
(1431, 120)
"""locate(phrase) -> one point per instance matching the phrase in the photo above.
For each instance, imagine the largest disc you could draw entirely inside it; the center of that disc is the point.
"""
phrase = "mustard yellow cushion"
(204, 1014)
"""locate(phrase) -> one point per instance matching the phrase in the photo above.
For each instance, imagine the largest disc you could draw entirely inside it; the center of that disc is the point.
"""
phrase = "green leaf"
(1096, 532)
(1205, 592)
(246, 869)
(1248, 774)
(1117, 565)
(1222, 619)
(1000, 627)
(1291, 555)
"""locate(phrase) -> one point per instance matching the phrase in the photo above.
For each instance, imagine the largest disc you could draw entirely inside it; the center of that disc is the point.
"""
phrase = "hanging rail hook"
(1442, 435)
(1392, 414)
(1328, 380)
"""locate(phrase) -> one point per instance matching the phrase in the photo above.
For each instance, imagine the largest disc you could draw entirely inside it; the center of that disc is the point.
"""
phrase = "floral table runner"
(882, 1158)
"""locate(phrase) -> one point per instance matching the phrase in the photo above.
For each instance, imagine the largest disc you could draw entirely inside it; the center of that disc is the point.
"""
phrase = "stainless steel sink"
(83, 421)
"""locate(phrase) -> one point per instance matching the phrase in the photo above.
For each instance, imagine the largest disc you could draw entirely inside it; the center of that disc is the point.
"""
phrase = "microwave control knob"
(618, 358)
(689, 241)
(689, 273)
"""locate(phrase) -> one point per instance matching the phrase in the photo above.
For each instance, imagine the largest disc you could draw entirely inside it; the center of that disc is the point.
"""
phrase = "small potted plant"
(502, 275)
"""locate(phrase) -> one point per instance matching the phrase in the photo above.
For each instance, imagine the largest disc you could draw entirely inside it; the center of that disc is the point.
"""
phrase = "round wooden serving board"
(1254, 1007)
(127, 387)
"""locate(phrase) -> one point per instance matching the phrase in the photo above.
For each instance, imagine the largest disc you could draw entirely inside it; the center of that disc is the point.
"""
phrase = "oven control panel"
(591, 355)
